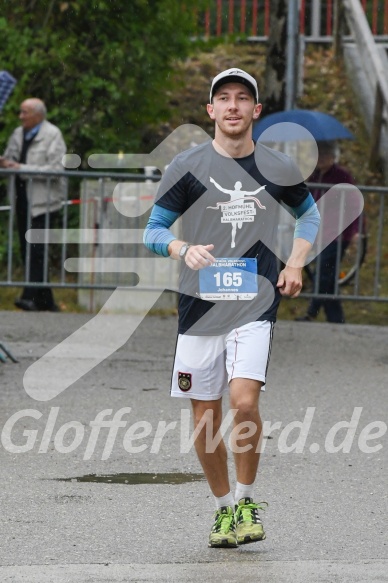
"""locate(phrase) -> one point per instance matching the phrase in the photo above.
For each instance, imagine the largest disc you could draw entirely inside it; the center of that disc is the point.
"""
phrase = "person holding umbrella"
(328, 171)
(291, 126)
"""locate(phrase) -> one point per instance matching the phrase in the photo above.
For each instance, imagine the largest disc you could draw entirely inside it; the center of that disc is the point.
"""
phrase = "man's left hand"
(290, 281)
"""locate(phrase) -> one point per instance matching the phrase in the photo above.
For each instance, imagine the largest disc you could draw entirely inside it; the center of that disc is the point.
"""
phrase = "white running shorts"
(204, 365)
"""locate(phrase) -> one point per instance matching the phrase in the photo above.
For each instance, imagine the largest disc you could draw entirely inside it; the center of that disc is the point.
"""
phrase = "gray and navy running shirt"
(229, 203)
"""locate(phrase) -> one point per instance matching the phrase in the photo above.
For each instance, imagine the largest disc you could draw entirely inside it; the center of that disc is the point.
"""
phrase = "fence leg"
(7, 352)
(338, 28)
(374, 157)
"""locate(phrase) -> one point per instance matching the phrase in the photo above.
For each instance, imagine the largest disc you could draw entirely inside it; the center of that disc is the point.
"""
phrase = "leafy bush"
(102, 66)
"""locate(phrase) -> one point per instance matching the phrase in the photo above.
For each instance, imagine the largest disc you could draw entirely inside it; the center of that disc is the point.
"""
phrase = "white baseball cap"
(234, 76)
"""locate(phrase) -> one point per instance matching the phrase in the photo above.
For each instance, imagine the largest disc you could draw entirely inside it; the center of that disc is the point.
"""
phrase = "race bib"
(229, 279)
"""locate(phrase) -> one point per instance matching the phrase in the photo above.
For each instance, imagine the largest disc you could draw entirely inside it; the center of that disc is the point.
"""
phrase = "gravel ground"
(326, 519)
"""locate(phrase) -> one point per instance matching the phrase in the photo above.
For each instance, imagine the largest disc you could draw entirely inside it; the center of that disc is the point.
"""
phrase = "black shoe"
(305, 318)
(27, 305)
(53, 308)
(46, 308)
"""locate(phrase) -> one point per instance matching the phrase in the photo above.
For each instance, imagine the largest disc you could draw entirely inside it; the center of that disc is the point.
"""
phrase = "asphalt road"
(326, 520)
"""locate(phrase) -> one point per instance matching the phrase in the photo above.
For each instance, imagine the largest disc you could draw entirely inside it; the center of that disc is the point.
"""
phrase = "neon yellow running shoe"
(223, 532)
(249, 527)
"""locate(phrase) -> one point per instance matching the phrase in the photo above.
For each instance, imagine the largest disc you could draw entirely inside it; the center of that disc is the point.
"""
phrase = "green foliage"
(102, 66)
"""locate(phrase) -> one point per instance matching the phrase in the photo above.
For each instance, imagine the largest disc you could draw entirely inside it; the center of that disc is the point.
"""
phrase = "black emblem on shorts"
(184, 381)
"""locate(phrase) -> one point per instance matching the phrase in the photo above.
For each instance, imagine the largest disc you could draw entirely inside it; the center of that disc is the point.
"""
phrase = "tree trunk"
(274, 94)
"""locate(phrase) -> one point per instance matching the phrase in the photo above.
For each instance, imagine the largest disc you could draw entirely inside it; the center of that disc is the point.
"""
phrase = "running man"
(225, 345)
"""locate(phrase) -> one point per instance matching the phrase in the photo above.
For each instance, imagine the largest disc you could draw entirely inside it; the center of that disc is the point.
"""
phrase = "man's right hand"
(5, 163)
(199, 256)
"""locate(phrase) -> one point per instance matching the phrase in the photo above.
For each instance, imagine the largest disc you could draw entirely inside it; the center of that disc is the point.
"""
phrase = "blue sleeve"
(157, 235)
(307, 219)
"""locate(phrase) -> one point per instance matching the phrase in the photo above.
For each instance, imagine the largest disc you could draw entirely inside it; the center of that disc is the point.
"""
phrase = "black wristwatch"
(183, 250)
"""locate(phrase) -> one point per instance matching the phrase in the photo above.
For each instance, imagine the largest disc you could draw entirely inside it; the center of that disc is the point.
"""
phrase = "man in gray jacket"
(35, 145)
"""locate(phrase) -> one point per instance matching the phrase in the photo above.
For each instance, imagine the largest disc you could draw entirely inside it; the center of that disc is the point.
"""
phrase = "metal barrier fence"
(95, 242)
(252, 18)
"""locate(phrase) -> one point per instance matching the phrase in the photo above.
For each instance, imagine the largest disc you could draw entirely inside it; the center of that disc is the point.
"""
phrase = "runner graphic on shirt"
(237, 211)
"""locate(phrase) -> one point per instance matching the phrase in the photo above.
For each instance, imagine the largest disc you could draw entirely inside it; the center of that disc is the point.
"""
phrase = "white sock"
(243, 491)
(226, 500)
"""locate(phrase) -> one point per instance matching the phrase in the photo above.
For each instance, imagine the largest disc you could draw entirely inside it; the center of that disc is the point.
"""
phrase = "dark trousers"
(326, 285)
(41, 296)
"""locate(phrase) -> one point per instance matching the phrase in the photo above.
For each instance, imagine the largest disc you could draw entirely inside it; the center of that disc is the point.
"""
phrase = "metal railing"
(252, 18)
(97, 243)
(369, 60)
